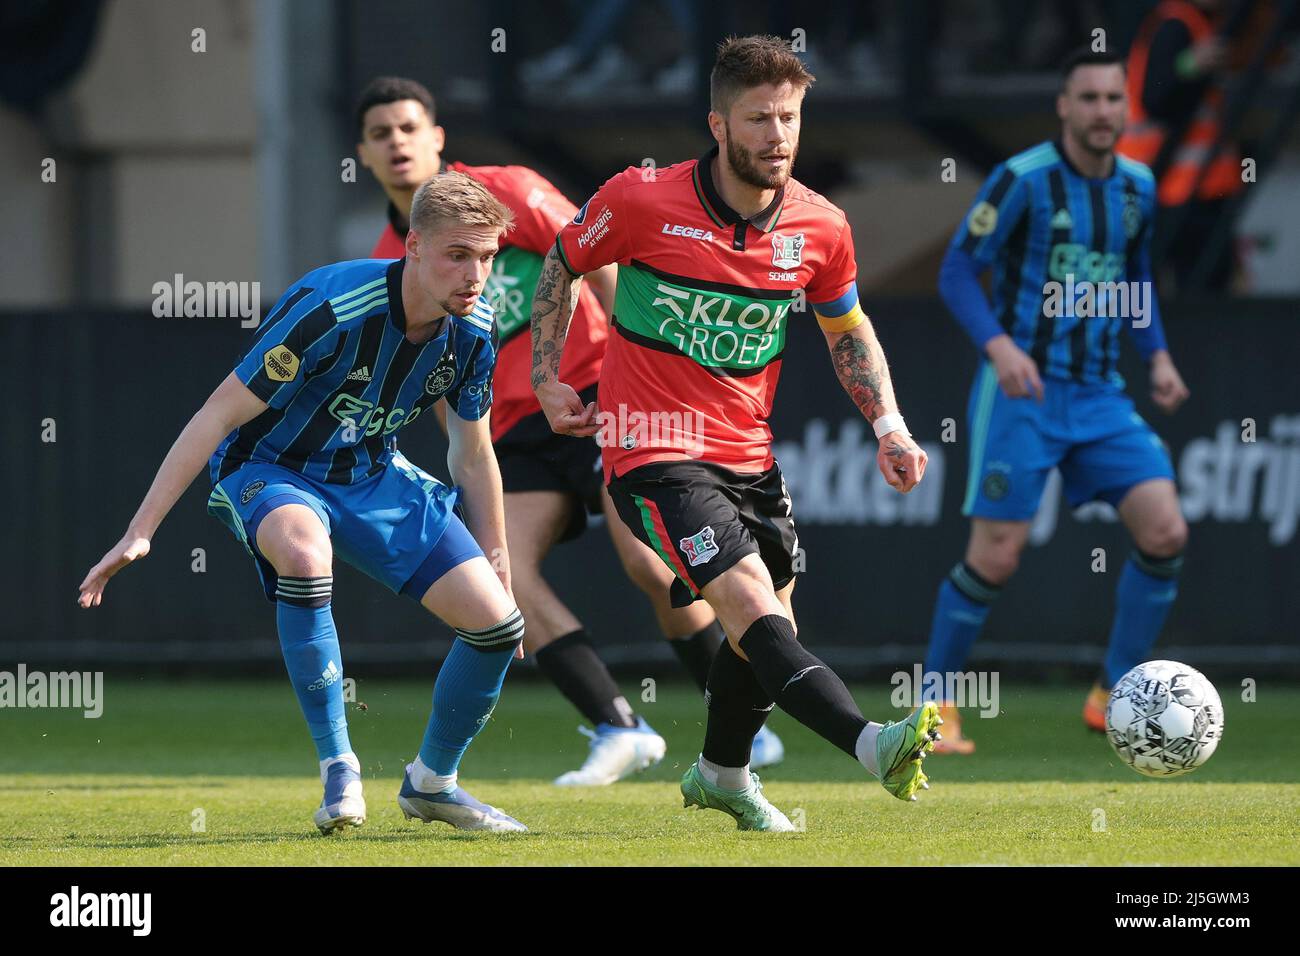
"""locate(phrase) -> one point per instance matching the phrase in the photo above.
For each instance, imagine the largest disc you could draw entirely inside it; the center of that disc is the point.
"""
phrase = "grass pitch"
(222, 773)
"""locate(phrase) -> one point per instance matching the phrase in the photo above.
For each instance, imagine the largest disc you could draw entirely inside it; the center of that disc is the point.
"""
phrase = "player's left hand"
(901, 461)
(1167, 388)
(132, 547)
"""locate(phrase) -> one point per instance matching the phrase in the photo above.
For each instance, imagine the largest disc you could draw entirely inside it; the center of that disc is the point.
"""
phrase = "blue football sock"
(311, 655)
(959, 613)
(1146, 591)
(467, 689)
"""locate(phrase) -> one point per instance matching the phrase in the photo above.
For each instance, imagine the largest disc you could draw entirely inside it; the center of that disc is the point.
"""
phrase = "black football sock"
(801, 685)
(574, 668)
(737, 706)
(696, 652)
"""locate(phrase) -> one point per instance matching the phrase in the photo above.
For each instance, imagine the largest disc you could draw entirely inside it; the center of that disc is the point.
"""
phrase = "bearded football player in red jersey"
(712, 255)
(550, 481)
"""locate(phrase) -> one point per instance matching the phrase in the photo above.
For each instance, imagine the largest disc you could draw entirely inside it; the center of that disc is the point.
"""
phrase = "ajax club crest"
(1132, 216)
(787, 251)
(440, 379)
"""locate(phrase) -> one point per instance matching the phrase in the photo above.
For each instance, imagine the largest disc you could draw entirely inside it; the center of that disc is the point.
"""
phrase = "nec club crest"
(787, 251)
(699, 548)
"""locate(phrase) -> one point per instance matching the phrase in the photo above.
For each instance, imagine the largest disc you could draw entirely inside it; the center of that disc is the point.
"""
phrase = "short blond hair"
(453, 197)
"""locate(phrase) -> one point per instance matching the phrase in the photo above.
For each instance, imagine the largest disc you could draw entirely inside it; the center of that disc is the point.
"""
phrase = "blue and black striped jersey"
(1038, 221)
(333, 363)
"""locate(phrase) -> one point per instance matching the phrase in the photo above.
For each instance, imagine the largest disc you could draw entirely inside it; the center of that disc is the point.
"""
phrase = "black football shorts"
(701, 519)
(534, 458)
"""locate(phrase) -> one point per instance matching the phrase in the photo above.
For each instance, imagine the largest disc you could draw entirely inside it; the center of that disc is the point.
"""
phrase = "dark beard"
(1082, 136)
(747, 171)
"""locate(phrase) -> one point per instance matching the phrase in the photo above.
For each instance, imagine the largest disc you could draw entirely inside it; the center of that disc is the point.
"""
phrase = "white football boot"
(343, 805)
(455, 807)
(616, 752)
(767, 749)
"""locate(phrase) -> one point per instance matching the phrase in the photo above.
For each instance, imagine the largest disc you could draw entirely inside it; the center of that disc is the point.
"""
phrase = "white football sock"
(728, 778)
(865, 748)
(426, 781)
(348, 758)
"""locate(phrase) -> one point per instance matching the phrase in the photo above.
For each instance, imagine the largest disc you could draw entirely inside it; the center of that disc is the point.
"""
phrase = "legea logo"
(688, 232)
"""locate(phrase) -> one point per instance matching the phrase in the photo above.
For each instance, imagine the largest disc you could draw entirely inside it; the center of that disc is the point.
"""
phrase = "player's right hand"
(565, 411)
(131, 548)
(901, 461)
(1017, 372)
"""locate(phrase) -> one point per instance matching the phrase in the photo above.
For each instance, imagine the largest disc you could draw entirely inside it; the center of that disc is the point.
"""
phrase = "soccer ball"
(1164, 718)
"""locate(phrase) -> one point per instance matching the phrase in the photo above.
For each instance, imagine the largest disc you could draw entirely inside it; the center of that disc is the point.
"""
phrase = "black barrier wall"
(95, 401)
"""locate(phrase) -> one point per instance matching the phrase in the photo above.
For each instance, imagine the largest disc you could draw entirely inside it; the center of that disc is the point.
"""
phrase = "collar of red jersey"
(719, 211)
(399, 223)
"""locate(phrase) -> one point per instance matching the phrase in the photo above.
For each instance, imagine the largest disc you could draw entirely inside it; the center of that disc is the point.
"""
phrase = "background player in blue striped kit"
(301, 444)
(1071, 217)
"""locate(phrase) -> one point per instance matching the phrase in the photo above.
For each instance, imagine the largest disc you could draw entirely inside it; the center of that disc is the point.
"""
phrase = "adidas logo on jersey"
(359, 374)
(1062, 220)
(328, 676)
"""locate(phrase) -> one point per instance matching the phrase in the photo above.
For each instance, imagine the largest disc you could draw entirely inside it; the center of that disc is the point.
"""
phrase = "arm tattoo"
(861, 375)
(553, 306)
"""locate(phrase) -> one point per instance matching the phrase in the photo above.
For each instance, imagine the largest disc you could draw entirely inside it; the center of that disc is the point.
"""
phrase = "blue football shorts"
(399, 526)
(1091, 432)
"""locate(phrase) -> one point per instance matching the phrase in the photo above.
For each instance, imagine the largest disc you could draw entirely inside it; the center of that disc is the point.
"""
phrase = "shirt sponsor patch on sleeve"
(597, 230)
(983, 219)
(281, 364)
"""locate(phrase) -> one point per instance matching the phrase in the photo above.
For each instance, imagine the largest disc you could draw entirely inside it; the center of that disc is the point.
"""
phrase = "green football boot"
(900, 747)
(750, 808)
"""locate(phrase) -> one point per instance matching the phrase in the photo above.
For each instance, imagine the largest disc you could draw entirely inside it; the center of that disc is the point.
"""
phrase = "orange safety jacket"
(1144, 135)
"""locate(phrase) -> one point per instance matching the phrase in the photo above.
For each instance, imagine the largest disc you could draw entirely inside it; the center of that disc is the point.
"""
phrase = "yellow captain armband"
(842, 323)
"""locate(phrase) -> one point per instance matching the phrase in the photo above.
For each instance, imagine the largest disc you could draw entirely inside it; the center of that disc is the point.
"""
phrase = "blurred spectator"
(841, 41)
(594, 59)
(1175, 94)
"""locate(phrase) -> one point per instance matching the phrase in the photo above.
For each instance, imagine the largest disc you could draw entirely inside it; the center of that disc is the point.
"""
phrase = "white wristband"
(893, 422)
